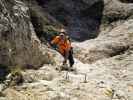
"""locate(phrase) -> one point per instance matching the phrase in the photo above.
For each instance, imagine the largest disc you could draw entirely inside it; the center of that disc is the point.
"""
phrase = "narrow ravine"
(103, 60)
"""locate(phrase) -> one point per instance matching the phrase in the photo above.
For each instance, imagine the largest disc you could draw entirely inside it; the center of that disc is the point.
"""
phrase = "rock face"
(103, 65)
(79, 17)
(19, 44)
(115, 13)
(116, 42)
(110, 78)
(85, 19)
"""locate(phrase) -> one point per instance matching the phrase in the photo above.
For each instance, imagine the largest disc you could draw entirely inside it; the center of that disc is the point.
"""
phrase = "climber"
(64, 47)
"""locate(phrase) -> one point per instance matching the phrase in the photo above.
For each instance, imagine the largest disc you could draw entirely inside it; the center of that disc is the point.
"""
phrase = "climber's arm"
(55, 40)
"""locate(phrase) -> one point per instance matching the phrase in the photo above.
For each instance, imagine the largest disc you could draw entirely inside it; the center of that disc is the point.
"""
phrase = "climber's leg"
(70, 58)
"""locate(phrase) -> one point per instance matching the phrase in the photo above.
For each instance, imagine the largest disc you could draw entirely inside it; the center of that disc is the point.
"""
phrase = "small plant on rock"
(15, 76)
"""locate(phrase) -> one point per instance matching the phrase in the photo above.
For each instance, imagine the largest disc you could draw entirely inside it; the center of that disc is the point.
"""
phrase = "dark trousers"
(70, 58)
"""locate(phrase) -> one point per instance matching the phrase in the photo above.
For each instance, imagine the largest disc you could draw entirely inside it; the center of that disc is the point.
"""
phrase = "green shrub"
(16, 76)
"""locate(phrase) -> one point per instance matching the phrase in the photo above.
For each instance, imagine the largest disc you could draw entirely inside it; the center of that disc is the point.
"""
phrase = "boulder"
(116, 42)
(19, 44)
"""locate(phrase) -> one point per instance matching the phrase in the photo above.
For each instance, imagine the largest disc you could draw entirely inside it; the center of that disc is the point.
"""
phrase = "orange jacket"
(63, 46)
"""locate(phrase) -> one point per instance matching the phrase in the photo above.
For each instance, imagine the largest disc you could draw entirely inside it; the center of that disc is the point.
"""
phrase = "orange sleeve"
(55, 40)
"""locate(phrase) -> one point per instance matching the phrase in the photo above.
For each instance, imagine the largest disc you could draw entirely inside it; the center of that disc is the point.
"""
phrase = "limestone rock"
(108, 77)
(85, 19)
(19, 44)
(114, 43)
